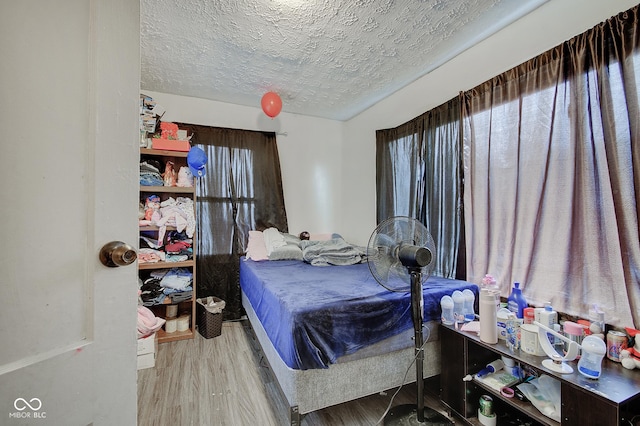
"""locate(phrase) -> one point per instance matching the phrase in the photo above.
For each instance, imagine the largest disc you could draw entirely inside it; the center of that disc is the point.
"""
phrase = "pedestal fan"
(400, 255)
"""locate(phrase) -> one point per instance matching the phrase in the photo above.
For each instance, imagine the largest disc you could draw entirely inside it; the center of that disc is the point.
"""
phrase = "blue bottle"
(516, 301)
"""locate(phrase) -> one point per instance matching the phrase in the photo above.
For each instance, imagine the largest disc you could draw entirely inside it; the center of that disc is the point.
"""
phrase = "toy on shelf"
(152, 208)
(169, 176)
(630, 357)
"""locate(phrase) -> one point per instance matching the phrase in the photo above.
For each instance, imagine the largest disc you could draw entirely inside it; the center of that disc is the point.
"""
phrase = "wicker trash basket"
(209, 316)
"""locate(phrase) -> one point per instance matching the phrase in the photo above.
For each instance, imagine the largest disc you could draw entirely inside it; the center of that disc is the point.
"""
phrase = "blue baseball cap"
(197, 159)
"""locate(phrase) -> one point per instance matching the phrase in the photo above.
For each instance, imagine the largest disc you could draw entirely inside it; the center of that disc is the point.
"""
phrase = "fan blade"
(397, 245)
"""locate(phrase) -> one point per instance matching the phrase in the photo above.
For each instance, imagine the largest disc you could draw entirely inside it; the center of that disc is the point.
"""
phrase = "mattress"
(314, 315)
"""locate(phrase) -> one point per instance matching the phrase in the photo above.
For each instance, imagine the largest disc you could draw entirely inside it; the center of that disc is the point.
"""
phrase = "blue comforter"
(314, 315)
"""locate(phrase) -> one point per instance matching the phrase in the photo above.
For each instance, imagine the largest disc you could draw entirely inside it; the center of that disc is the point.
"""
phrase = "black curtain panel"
(241, 191)
(419, 174)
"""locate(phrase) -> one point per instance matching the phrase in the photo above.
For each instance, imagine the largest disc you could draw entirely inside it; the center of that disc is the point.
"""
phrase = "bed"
(332, 334)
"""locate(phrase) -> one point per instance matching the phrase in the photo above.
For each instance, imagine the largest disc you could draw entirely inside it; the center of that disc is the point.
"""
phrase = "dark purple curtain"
(241, 191)
(419, 174)
(552, 174)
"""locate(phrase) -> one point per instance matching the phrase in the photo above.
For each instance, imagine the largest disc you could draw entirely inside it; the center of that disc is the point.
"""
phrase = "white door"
(69, 87)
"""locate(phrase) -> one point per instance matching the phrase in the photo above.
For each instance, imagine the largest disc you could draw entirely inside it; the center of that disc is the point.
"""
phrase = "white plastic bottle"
(469, 301)
(549, 317)
(488, 316)
(593, 350)
(446, 303)
(458, 306)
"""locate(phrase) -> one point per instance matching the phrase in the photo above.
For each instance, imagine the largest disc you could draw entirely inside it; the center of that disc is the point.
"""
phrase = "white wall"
(309, 154)
(328, 167)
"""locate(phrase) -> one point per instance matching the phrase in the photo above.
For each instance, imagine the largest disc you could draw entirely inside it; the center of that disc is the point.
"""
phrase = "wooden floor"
(222, 381)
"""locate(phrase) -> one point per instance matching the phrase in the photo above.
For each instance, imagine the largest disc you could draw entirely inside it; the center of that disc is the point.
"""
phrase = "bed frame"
(349, 378)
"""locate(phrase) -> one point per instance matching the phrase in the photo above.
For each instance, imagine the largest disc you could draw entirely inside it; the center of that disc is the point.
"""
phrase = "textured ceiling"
(325, 58)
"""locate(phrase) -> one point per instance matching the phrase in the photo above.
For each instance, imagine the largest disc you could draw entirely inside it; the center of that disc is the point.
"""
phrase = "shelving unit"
(187, 307)
(614, 397)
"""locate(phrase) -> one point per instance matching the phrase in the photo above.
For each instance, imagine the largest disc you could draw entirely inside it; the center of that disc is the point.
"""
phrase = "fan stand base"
(407, 415)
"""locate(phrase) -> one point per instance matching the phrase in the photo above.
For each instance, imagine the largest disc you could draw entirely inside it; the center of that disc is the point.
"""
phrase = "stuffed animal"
(630, 357)
(185, 177)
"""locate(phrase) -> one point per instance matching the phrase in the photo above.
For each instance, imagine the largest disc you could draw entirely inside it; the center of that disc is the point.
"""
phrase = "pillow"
(286, 252)
(290, 239)
(256, 249)
(272, 239)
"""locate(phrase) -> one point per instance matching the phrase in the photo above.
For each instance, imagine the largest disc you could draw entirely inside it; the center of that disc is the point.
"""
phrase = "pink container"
(574, 332)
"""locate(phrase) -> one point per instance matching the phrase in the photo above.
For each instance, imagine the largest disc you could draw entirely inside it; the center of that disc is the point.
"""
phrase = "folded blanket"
(335, 251)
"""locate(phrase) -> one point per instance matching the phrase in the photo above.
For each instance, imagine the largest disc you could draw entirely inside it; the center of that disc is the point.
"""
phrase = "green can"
(486, 406)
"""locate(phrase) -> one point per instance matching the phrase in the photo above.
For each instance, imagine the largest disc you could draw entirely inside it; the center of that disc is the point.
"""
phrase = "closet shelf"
(172, 189)
(167, 301)
(163, 336)
(166, 265)
(156, 228)
(164, 152)
(179, 159)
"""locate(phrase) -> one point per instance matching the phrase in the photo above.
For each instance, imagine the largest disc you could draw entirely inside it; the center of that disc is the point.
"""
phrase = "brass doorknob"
(117, 253)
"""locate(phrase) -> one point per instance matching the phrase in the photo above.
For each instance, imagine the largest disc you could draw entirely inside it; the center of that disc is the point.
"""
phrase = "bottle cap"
(573, 328)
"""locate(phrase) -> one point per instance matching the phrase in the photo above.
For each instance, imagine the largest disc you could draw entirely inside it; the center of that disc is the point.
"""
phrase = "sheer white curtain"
(552, 175)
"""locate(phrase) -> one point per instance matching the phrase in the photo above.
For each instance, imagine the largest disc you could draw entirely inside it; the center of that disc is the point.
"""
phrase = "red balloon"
(271, 104)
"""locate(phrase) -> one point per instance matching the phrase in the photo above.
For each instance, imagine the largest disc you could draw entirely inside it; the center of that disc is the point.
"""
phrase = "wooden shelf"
(172, 189)
(524, 407)
(155, 228)
(166, 192)
(163, 336)
(166, 265)
(584, 401)
(167, 301)
(164, 152)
